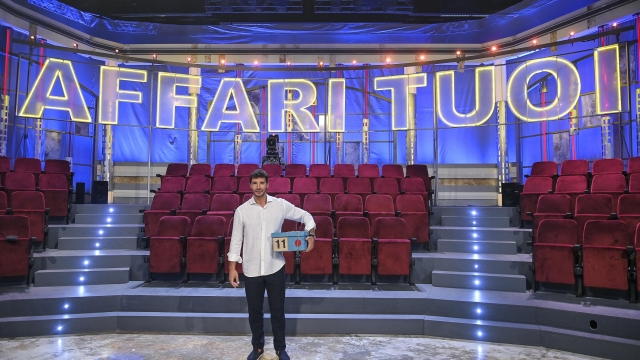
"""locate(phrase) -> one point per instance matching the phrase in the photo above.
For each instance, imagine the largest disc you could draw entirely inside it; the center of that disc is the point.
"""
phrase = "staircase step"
(104, 219)
(75, 277)
(477, 247)
(492, 264)
(109, 208)
(496, 222)
(519, 236)
(87, 259)
(479, 281)
(98, 243)
(475, 211)
(92, 230)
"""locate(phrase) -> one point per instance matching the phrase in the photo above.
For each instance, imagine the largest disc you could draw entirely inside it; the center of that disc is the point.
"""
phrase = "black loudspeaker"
(79, 193)
(100, 192)
(511, 194)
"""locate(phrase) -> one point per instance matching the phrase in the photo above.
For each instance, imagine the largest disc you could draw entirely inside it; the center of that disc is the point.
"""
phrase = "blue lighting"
(476, 266)
(81, 278)
(108, 219)
(474, 223)
(66, 306)
(59, 328)
(479, 311)
(100, 232)
(479, 333)
(97, 244)
(477, 282)
(475, 247)
(86, 262)
(475, 235)
(474, 212)
(110, 209)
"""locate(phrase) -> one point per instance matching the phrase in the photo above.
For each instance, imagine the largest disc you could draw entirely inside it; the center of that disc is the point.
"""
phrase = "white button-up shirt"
(253, 225)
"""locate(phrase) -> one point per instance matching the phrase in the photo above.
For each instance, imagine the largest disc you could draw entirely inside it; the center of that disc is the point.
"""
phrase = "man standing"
(253, 223)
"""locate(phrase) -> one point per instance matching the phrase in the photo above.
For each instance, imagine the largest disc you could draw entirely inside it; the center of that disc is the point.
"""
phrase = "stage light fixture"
(475, 235)
(110, 209)
(388, 60)
(494, 48)
(255, 63)
(108, 219)
(476, 266)
(615, 24)
(189, 60)
(155, 57)
(353, 62)
(321, 64)
(572, 33)
(59, 328)
(81, 278)
(117, 51)
(474, 212)
(97, 244)
(100, 232)
(66, 306)
(479, 311)
(479, 333)
(421, 57)
(475, 247)
(534, 41)
(33, 38)
(288, 63)
(477, 282)
(75, 45)
(86, 262)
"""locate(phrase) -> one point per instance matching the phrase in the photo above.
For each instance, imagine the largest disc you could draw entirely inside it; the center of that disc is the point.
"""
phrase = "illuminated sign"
(399, 86)
(168, 100)
(111, 95)
(485, 98)
(304, 97)
(218, 113)
(41, 98)
(337, 105)
(607, 71)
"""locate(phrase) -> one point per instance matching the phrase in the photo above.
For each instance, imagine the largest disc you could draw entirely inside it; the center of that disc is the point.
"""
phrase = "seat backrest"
(609, 182)
(574, 183)
(606, 233)
(224, 170)
(279, 185)
(273, 170)
(14, 225)
(332, 186)
(386, 185)
(324, 227)
(200, 169)
(557, 231)
(53, 182)
(294, 199)
(607, 166)
(244, 185)
(392, 171)
(359, 186)
(225, 202)
(22, 181)
(369, 170)
(166, 201)
(410, 203)
(29, 165)
(544, 168)
(195, 202)
(246, 197)
(173, 226)
(317, 202)
(634, 183)
(225, 183)
(418, 170)
(348, 202)
(5, 164)
(595, 204)
(319, 170)
(379, 203)
(177, 169)
(198, 184)
(295, 170)
(344, 170)
(538, 185)
(27, 200)
(306, 185)
(412, 185)
(167, 184)
(246, 169)
(554, 204)
(633, 166)
(54, 166)
(3, 201)
(389, 228)
(209, 226)
(574, 167)
(629, 204)
(353, 227)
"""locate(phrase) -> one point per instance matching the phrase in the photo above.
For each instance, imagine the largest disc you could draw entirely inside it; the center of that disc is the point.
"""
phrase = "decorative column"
(193, 122)
(573, 131)
(501, 99)
(607, 138)
(106, 166)
(411, 132)
(4, 123)
(365, 120)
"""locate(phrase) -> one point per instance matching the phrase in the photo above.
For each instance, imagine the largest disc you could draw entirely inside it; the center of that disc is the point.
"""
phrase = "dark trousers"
(254, 289)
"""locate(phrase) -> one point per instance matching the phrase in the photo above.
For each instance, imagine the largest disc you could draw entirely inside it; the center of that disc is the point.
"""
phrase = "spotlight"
(75, 46)
(288, 63)
(534, 41)
(59, 328)
(475, 247)
(479, 333)
(474, 223)
(615, 24)
(97, 244)
(353, 62)
(479, 311)
(321, 64)
(572, 33)
(86, 262)
(477, 282)
(100, 232)
(189, 60)
(222, 61)
(421, 57)
(474, 212)
(255, 63)
(108, 219)
(475, 235)
(81, 278)
(33, 38)
(494, 48)
(476, 266)
(117, 51)
(111, 209)
(155, 57)
(388, 60)
(66, 306)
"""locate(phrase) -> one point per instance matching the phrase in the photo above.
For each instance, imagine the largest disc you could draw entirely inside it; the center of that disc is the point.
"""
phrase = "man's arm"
(234, 248)
(296, 214)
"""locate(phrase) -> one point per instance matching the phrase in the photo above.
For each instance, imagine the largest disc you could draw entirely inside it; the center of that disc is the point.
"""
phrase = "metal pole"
(435, 145)
(150, 141)
(193, 122)
(503, 161)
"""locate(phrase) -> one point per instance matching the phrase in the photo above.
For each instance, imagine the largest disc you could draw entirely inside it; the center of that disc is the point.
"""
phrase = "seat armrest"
(317, 191)
(158, 175)
(154, 191)
(413, 239)
(290, 192)
(208, 192)
(374, 192)
(402, 192)
(33, 240)
(365, 213)
(332, 175)
(625, 173)
(183, 239)
(432, 177)
(47, 211)
(587, 191)
(526, 176)
(358, 176)
(203, 212)
(333, 213)
(37, 188)
(346, 191)
(173, 212)
(550, 192)
(374, 240)
(631, 251)
(8, 211)
(12, 238)
(613, 216)
(381, 176)
(529, 213)
(235, 191)
(589, 174)
(398, 213)
(626, 191)
(568, 215)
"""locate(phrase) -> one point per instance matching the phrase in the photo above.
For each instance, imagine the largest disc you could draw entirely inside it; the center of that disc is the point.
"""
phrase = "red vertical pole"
(7, 57)
(314, 110)
(637, 16)
(263, 121)
(543, 99)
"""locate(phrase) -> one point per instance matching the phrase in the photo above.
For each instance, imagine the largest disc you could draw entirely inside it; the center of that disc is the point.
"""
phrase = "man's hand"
(233, 278)
(310, 241)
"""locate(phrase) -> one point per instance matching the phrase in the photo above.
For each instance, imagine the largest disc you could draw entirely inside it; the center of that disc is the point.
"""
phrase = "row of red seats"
(581, 167)
(53, 188)
(30, 204)
(16, 246)
(176, 249)
(34, 166)
(408, 207)
(604, 258)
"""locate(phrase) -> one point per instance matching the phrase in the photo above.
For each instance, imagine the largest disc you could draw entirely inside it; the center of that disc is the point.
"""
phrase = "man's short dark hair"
(257, 174)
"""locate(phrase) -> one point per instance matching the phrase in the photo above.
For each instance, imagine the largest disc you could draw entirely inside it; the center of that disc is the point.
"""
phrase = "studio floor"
(151, 346)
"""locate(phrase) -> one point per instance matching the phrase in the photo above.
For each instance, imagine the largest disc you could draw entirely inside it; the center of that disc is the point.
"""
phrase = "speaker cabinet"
(80, 190)
(511, 194)
(100, 192)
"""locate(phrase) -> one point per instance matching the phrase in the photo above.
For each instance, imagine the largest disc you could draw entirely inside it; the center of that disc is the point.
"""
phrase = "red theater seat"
(534, 187)
(332, 187)
(320, 260)
(574, 167)
(415, 215)
(224, 170)
(294, 199)
(573, 186)
(360, 187)
(31, 204)
(227, 243)
(318, 171)
(344, 172)
(629, 212)
(386, 186)
(607, 166)
(273, 170)
(420, 172)
(29, 165)
(377, 206)
(304, 186)
(637, 249)
(204, 245)
(544, 169)
(166, 249)
(604, 254)
(295, 171)
(247, 197)
(171, 184)
(554, 257)
(176, 169)
(393, 171)
(290, 225)
(348, 205)
(318, 204)
(198, 185)
(15, 181)
(392, 249)
(224, 185)
(194, 205)
(200, 170)
(415, 186)
(63, 167)
(246, 169)
(162, 205)
(244, 187)
(278, 185)
(633, 166)
(15, 246)
(551, 207)
(612, 184)
(5, 167)
(592, 207)
(224, 205)
(3, 203)
(369, 171)
(354, 246)
(57, 196)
